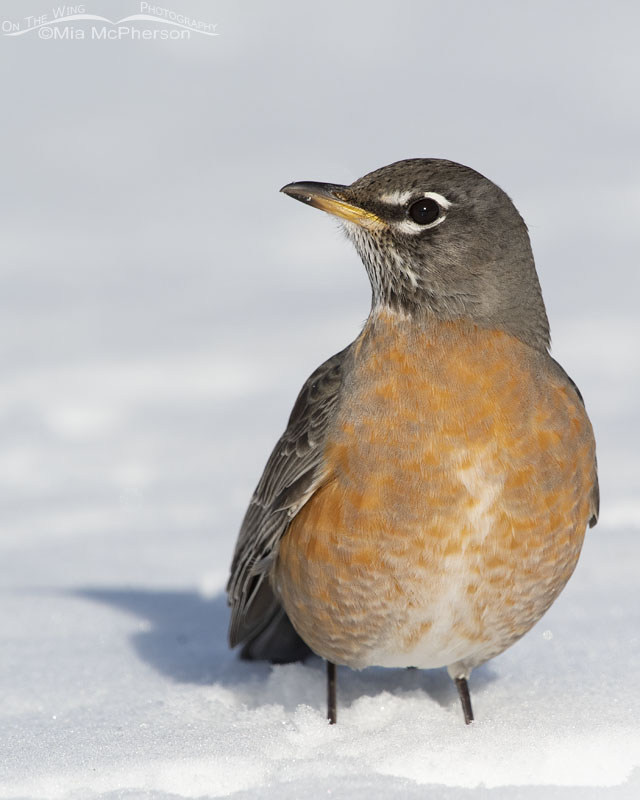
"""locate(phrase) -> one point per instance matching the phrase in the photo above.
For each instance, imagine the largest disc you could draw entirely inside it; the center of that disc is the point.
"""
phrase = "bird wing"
(293, 473)
(595, 489)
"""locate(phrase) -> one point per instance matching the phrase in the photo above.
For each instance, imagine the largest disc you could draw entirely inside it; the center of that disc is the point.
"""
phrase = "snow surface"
(160, 305)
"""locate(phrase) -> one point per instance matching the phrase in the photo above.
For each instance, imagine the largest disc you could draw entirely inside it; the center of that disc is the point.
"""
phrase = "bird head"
(438, 238)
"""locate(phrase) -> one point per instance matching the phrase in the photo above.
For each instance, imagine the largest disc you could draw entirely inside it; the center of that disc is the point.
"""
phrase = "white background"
(161, 304)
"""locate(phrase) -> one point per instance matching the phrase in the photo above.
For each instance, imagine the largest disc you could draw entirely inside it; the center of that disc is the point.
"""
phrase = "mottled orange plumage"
(453, 503)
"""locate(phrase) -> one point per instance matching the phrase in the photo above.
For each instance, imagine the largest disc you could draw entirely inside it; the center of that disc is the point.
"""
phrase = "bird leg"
(465, 699)
(332, 709)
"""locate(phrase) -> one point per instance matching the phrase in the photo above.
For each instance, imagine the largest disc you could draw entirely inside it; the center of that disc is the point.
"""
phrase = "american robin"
(429, 498)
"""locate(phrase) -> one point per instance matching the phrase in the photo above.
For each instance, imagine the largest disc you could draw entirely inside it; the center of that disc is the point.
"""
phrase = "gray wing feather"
(595, 490)
(293, 472)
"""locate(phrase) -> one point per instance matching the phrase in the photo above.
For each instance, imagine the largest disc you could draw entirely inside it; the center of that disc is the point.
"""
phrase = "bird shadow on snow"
(184, 637)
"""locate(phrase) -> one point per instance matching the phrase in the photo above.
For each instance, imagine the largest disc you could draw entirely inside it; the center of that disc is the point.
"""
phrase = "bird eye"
(425, 211)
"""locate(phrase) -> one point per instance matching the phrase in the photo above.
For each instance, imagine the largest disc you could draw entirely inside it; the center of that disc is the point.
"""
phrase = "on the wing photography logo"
(68, 23)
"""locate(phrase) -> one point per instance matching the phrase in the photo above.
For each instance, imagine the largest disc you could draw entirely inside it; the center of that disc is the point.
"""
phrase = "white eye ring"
(409, 225)
(440, 199)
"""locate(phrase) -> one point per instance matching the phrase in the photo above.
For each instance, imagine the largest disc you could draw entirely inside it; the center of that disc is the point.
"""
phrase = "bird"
(430, 495)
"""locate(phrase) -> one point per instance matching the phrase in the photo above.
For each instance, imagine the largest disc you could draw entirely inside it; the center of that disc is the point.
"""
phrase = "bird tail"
(276, 641)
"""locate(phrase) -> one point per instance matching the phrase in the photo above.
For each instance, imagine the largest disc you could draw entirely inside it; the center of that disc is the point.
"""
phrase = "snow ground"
(160, 306)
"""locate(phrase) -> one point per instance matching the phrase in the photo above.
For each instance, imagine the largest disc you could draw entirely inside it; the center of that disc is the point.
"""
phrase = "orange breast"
(459, 469)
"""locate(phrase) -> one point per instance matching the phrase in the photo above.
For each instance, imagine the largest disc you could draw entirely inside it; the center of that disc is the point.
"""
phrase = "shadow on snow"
(185, 639)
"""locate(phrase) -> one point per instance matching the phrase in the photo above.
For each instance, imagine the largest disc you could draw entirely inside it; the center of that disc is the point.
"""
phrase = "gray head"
(439, 238)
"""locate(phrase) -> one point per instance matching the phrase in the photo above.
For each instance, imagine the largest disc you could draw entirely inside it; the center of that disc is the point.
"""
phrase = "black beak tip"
(296, 190)
(307, 191)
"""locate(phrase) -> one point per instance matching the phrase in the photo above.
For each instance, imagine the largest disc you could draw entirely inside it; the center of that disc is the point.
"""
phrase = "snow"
(161, 304)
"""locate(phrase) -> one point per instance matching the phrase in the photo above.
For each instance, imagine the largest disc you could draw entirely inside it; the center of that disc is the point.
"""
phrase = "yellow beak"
(328, 197)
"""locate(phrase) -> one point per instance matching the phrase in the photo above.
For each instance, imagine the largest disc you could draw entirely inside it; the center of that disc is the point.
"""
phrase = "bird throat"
(401, 289)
